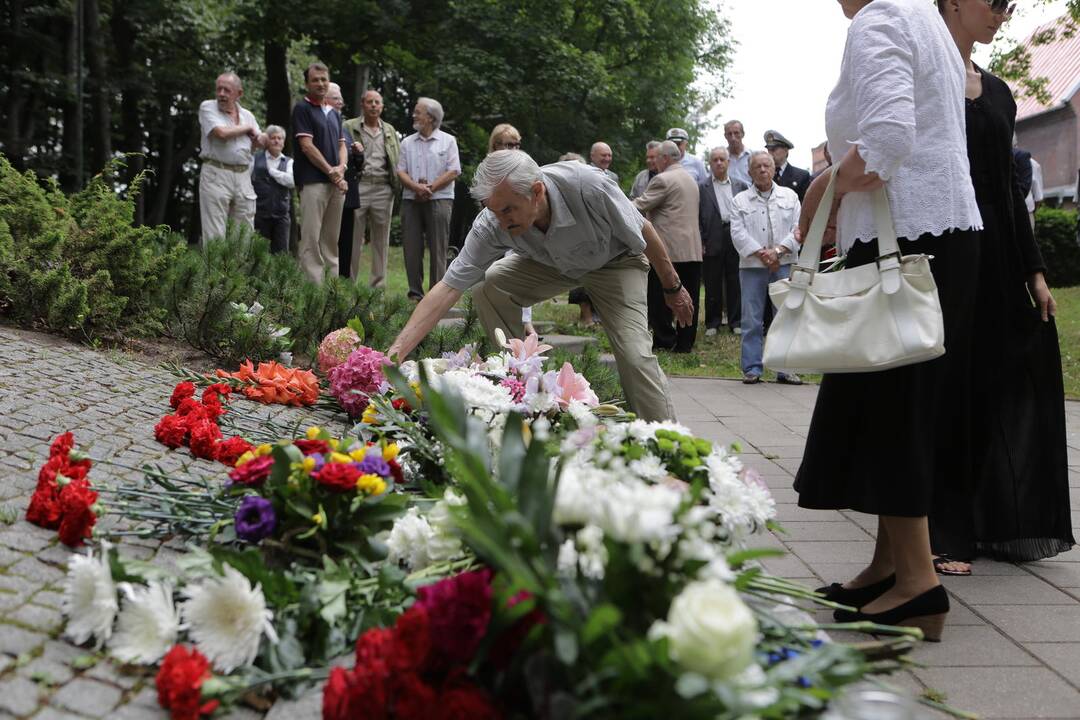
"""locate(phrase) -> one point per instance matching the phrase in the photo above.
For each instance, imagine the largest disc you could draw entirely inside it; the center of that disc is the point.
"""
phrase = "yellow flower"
(319, 518)
(340, 457)
(390, 452)
(333, 443)
(313, 432)
(264, 449)
(370, 415)
(308, 464)
(246, 457)
(371, 484)
(415, 385)
(358, 454)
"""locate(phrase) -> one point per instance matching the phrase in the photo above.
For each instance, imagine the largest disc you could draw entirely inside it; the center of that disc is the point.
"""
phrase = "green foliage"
(76, 264)
(1058, 236)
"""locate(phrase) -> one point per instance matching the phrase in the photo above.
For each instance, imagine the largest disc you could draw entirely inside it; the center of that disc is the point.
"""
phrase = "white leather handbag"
(873, 317)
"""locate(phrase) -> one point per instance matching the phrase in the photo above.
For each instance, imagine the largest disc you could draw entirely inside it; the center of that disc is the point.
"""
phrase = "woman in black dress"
(1015, 503)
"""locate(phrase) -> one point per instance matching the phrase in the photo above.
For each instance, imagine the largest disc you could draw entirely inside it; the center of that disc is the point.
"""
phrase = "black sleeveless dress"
(1015, 502)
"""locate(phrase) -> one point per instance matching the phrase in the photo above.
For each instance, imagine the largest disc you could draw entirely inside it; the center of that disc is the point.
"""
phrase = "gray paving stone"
(16, 641)
(36, 571)
(1064, 657)
(88, 697)
(823, 531)
(786, 513)
(1061, 575)
(51, 713)
(832, 551)
(972, 645)
(37, 617)
(18, 695)
(27, 537)
(1005, 590)
(1014, 692)
(122, 676)
(47, 670)
(1035, 623)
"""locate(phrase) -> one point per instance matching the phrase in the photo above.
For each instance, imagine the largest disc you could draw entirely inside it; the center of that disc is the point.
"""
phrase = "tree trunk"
(15, 99)
(277, 91)
(361, 79)
(98, 86)
(70, 170)
(131, 130)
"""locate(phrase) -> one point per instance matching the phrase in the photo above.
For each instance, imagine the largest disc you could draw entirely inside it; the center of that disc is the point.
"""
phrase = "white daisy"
(227, 618)
(90, 597)
(148, 625)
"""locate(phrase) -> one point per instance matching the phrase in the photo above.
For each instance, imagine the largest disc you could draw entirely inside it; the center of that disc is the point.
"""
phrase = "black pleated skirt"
(878, 441)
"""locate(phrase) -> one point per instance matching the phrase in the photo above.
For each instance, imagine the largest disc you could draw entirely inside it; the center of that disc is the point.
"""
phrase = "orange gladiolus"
(275, 383)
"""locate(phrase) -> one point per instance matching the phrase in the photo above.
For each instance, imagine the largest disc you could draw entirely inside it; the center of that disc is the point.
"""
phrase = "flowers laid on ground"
(359, 377)
(180, 682)
(337, 346)
(273, 382)
(63, 499)
(194, 424)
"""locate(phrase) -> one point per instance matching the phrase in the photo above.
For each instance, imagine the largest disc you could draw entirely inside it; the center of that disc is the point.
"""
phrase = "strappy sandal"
(940, 561)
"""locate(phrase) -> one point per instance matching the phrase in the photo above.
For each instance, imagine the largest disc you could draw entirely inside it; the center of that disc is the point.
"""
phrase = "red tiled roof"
(1059, 62)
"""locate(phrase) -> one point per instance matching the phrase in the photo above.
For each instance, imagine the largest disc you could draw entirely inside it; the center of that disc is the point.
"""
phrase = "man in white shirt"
(692, 163)
(739, 156)
(229, 135)
(1035, 196)
(427, 167)
(600, 156)
(272, 178)
(720, 267)
(763, 222)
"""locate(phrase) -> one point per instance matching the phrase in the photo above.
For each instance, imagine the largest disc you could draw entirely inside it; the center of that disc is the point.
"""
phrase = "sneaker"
(710, 332)
(788, 379)
(751, 379)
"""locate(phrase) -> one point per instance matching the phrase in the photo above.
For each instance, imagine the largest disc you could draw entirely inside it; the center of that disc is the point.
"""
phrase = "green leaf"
(356, 326)
(602, 620)
(332, 594)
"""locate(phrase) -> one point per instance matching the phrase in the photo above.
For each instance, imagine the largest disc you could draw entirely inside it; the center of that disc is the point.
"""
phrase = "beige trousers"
(320, 225)
(224, 195)
(617, 290)
(373, 215)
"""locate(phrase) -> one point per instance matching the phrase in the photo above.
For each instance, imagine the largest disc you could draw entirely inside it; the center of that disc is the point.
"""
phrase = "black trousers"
(720, 274)
(276, 230)
(344, 242)
(661, 320)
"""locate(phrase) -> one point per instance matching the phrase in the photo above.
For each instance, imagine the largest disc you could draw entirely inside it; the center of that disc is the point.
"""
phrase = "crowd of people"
(958, 456)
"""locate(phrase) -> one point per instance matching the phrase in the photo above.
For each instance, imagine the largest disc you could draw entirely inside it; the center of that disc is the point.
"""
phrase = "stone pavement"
(1011, 647)
(1011, 650)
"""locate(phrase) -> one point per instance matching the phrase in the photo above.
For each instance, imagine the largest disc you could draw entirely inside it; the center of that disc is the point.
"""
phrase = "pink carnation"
(359, 376)
(335, 348)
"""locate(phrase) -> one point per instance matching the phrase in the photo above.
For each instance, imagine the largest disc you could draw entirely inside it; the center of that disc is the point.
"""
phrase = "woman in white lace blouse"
(896, 119)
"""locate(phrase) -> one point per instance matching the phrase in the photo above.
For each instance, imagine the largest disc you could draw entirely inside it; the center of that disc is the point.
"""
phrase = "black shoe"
(926, 612)
(857, 597)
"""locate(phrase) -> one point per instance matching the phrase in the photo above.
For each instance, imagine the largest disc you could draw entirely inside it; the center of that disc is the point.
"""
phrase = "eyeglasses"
(1001, 7)
(508, 146)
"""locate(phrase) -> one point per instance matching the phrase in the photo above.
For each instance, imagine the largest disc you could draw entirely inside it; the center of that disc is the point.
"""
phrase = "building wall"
(1053, 139)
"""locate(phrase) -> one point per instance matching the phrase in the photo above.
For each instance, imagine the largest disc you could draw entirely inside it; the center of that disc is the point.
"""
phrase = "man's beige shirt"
(375, 165)
(670, 202)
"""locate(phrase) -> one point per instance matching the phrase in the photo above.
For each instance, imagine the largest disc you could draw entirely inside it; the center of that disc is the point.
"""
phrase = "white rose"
(710, 630)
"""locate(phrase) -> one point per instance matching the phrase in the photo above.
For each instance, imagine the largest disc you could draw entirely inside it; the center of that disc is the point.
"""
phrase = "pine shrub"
(1059, 240)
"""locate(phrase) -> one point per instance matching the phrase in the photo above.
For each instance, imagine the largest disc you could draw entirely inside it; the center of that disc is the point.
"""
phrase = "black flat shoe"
(856, 597)
(926, 612)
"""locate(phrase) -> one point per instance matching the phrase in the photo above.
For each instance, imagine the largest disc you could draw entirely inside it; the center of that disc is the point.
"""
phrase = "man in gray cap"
(787, 175)
(693, 164)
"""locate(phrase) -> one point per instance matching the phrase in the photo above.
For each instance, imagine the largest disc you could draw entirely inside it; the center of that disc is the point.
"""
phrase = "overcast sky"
(787, 62)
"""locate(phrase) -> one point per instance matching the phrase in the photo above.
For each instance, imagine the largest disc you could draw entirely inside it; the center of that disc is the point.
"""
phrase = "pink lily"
(570, 385)
(524, 349)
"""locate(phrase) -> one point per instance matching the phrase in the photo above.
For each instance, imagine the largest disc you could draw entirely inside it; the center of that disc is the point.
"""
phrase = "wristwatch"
(672, 290)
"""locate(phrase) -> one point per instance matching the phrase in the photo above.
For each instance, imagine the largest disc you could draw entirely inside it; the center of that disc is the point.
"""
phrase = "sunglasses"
(1001, 7)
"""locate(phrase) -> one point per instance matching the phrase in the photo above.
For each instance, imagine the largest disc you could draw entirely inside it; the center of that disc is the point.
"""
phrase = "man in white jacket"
(763, 222)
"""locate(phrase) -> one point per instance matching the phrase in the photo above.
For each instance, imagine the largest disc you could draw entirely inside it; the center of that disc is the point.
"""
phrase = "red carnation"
(179, 684)
(459, 610)
(217, 391)
(76, 503)
(413, 698)
(465, 702)
(44, 510)
(340, 477)
(171, 431)
(191, 406)
(359, 693)
(401, 405)
(310, 447)
(181, 392)
(413, 636)
(253, 472)
(62, 445)
(396, 471)
(75, 469)
(375, 644)
(48, 472)
(204, 439)
(229, 451)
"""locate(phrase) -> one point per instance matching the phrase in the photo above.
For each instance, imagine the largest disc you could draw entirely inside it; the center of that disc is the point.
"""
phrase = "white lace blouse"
(900, 100)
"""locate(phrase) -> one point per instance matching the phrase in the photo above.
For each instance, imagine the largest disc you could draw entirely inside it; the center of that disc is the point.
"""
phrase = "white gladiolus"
(227, 618)
(90, 597)
(147, 626)
(710, 630)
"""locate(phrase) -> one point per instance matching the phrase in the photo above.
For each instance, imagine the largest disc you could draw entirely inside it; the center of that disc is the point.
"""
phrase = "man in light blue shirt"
(693, 164)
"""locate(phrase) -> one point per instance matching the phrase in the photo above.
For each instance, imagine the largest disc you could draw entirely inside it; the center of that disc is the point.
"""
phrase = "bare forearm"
(443, 180)
(426, 315)
(407, 181)
(312, 153)
(658, 257)
(223, 132)
(343, 154)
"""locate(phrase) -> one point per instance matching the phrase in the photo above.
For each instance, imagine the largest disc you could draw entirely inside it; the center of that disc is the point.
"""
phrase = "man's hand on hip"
(681, 306)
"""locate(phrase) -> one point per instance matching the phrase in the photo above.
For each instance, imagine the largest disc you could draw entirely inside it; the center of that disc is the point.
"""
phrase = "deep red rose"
(309, 447)
(413, 636)
(181, 392)
(396, 471)
(401, 405)
(78, 518)
(191, 406)
(459, 610)
(358, 693)
(339, 477)
(179, 684)
(171, 431)
(62, 445)
(465, 702)
(205, 436)
(229, 451)
(44, 510)
(253, 472)
(413, 698)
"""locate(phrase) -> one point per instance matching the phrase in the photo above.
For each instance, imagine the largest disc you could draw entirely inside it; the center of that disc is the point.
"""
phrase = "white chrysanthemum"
(90, 597)
(578, 498)
(227, 618)
(636, 512)
(649, 468)
(444, 543)
(478, 392)
(592, 555)
(744, 507)
(582, 414)
(147, 626)
(409, 540)
(643, 430)
(567, 562)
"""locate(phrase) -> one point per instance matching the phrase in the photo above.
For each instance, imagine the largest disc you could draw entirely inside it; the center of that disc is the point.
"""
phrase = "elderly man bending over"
(567, 226)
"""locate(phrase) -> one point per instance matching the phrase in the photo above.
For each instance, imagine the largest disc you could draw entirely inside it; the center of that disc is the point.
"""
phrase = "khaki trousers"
(617, 290)
(320, 225)
(224, 195)
(373, 215)
(425, 221)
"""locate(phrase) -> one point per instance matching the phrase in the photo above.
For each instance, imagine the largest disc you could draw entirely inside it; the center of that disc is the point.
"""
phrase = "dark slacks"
(276, 230)
(425, 223)
(661, 319)
(720, 275)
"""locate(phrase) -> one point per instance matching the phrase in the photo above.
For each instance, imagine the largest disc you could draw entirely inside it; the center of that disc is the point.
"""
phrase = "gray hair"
(513, 166)
(652, 145)
(275, 130)
(233, 78)
(719, 148)
(670, 149)
(434, 109)
(759, 153)
(566, 157)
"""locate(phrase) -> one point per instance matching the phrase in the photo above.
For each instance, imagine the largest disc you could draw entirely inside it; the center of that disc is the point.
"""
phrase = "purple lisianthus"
(255, 519)
(374, 464)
